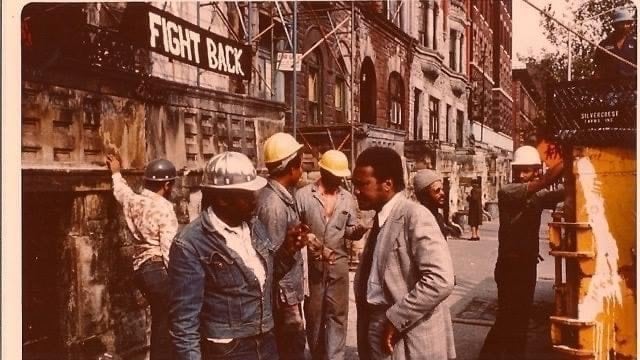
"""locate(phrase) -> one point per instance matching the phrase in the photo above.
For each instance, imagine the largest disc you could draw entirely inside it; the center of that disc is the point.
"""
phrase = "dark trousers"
(289, 331)
(507, 338)
(259, 347)
(153, 281)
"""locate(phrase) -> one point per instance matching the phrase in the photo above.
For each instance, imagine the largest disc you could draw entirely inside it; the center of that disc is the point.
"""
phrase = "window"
(339, 92)
(435, 27)
(446, 125)
(429, 31)
(417, 119)
(395, 101)
(393, 11)
(452, 50)
(314, 87)
(434, 121)
(459, 128)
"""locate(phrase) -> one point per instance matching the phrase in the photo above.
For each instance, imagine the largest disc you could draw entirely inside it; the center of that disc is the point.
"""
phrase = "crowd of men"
(263, 273)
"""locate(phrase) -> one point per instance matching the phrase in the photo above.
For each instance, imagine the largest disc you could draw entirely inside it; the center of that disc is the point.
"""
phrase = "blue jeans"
(259, 347)
(153, 281)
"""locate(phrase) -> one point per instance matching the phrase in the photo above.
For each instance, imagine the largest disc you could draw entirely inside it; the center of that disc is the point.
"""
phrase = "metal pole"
(569, 59)
(484, 55)
(353, 87)
(294, 98)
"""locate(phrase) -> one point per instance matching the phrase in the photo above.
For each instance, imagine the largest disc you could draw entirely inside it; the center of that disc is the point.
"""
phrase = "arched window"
(396, 96)
(314, 87)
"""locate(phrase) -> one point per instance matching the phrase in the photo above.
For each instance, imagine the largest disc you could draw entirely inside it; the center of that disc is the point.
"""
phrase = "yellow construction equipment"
(593, 239)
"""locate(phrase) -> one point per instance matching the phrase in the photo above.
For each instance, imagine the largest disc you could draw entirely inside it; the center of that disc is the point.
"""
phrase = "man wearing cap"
(622, 42)
(427, 185)
(330, 212)
(276, 208)
(152, 221)
(222, 268)
(520, 207)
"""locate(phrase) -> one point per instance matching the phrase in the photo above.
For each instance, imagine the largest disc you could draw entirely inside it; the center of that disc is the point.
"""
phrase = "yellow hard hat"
(335, 162)
(279, 146)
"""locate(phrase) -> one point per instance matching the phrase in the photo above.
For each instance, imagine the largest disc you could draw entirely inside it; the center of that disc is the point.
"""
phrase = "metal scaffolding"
(288, 16)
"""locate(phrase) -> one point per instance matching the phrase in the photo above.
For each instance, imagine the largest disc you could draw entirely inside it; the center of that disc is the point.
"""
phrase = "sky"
(528, 37)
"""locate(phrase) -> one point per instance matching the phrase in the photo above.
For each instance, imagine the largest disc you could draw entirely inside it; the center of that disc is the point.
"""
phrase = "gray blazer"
(417, 276)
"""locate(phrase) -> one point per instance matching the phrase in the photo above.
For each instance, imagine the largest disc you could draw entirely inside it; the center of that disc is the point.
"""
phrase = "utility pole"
(484, 55)
(294, 98)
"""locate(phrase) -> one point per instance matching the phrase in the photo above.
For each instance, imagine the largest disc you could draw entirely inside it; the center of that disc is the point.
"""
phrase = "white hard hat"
(231, 170)
(622, 14)
(526, 155)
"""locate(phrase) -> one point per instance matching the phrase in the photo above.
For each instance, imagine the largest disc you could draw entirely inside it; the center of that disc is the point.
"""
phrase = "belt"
(152, 259)
(377, 307)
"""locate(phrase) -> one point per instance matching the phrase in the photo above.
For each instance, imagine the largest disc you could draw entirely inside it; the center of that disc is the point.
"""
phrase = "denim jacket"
(212, 293)
(277, 210)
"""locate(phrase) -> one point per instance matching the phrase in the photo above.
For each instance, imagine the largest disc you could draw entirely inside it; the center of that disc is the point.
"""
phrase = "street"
(474, 298)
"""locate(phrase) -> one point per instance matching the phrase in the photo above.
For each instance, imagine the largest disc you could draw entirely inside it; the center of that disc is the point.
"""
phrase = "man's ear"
(388, 185)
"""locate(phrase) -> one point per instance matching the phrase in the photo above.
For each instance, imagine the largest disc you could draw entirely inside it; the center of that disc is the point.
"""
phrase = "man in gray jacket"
(277, 210)
(330, 212)
(405, 273)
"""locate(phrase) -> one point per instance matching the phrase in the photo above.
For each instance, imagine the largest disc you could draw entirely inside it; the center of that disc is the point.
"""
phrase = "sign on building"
(169, 35)
(285, 62)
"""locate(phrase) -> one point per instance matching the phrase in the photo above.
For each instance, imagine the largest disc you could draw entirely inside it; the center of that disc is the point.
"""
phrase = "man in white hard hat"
(520, 207)
(330, 212)
(622, 42)
(153, 223)
(222, 267)
(276, 208)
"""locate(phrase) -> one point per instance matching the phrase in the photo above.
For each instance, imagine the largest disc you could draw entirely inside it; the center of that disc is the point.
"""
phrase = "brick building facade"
(402, 74)
(525, 107)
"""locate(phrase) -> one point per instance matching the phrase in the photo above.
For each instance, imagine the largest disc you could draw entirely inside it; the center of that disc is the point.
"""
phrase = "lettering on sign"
(599, 117)
(285, 62)
(180, 40)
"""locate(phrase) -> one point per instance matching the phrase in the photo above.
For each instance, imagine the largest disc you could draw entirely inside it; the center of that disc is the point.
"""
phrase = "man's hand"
(113, 163)
(359, 231)
(390, 337)
(296, 238)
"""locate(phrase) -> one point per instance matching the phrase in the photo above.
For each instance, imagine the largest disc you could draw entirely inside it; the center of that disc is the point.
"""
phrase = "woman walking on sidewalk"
(475, 210)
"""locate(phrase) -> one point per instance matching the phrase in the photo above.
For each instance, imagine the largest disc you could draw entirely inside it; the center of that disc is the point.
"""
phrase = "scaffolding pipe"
(294, 98)
(353, 87)
(240, 15)
(323, 39)
(284, 23)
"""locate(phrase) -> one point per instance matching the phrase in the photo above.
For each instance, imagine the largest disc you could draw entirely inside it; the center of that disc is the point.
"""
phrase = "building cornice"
(501, 90)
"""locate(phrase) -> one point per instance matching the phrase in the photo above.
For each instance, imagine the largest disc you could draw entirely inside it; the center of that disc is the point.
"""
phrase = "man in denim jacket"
(222, 267)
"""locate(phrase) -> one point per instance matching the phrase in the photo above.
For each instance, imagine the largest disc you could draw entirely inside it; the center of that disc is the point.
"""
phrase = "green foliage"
(591, 19)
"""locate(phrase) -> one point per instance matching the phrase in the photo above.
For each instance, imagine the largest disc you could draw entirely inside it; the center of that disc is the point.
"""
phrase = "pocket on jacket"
(341, 220)
(224, 270)
(216, 349)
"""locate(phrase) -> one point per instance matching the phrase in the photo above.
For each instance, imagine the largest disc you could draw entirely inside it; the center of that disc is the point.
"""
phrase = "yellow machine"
(593, 240)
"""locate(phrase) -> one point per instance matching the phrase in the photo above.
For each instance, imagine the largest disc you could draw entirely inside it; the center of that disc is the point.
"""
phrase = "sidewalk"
(474, 299)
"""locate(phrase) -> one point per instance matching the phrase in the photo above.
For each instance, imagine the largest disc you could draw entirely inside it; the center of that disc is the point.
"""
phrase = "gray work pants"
(327, 308)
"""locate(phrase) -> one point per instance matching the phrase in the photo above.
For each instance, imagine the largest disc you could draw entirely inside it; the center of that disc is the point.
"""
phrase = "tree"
(591, 19)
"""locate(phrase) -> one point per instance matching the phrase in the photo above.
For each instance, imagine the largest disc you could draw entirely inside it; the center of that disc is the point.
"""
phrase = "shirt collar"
(281, 191)
(155, 196)
(383, 214)
(222, 227)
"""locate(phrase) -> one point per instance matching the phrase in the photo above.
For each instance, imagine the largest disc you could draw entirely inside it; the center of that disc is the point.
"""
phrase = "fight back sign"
(180, 40)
